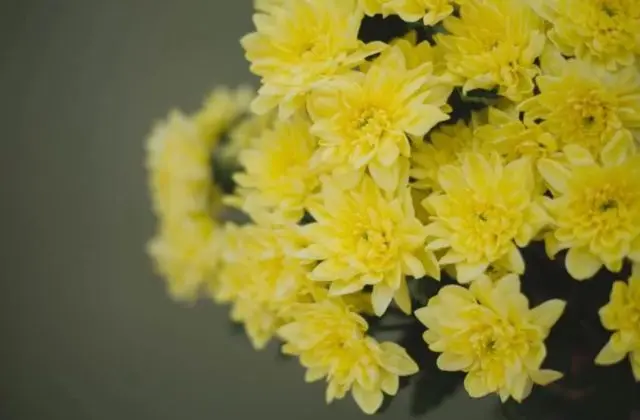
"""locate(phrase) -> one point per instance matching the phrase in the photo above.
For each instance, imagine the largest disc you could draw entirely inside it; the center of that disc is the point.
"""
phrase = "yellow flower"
(278, 177)
(596, 208)
(583, 104)
(262, 277)
(444, 146)
(429, 12)
(622, 316)
(606, 32)
(494, 44)
(363, 237)
(186, 253)
(363, 120)
(331, 342)
(484, 208)
(489, 332)
(301, 44)
(178, 165)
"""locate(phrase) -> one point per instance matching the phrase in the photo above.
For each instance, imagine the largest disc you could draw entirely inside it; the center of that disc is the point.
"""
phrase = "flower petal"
(554, 174)
(368, 401)
(582, 264)
(381, 298)
(609, 355)
(548, 313)
(451, 362)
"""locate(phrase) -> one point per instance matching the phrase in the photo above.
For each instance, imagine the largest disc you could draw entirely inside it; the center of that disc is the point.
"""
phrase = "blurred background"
(88, 331)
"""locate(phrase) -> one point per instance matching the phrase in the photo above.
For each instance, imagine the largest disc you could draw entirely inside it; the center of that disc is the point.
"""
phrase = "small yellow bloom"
(300, 44)
(363, 119)
(220, 109)
(279, 180)
(596, 208)
(485, 207)
(494, 44)
(622, 316)
(363, 237)
(261, 276)
(583, 104)
(186, 253)
(443, 146)
(489, 332)
(331, 342)
(606, 32)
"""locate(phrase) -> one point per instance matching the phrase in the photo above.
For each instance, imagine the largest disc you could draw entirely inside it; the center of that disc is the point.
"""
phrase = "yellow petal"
(385, 177)
(548, 313)
(368, 401)
(402, 298)
(545, 376)
(554, 174)
(475, 385)
(609, 355)
(467, 272)
(451, 362)
(582, 264)
(412, 265)
(381, 298)
(635, 364)
(618, 148)
(314, 374)
(578, 156)
(395, 359)
(390, 383)
(478, 172)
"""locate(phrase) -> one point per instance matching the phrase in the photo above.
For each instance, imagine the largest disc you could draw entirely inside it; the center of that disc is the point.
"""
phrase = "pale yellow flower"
(261, 276)
(444, 146)
(606, 32)
(583, 104)
(301, 44)
(622, 316)
(489, 332)
(596, 208)
(220, 110)
(485, 210)
(186, 252)
(363, 237)
(279, 179)
(494, 44)
(363, 119)
(331, 342)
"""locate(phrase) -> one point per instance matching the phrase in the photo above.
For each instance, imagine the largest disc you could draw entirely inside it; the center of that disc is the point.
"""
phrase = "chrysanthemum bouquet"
(463, 170)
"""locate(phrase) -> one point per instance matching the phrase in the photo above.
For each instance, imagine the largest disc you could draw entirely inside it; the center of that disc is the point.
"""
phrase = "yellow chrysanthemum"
(583, 104)
(331, 342)
(186, 252)
(429, 11)
(494, 44)
(262, 277)
(622, 316)
(485, 207)
(596, 209)
(363, 119)
(489, 332)
(363, 237)
(301, 44)
(606, 32)
(444, 146)
(278, 178)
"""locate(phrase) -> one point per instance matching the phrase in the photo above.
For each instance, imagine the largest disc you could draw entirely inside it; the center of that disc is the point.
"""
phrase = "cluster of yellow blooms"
(359, 183)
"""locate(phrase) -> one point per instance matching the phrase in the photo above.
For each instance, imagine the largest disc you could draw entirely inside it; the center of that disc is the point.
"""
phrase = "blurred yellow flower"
(363, 120)
(300, 44)
(606, 32)
(363, 237)
(261, 276)
(278, 180)
(485, 207)
(220, 110)
(582, 104)
(494, 44)
(489, 332)
(622, 316)
(331, 342)
(596, 208)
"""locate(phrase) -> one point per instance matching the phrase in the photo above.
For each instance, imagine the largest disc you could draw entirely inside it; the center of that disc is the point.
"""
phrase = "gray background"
(87, 331)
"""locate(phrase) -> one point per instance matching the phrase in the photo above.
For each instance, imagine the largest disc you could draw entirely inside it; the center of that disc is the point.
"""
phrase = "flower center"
(371, 124)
